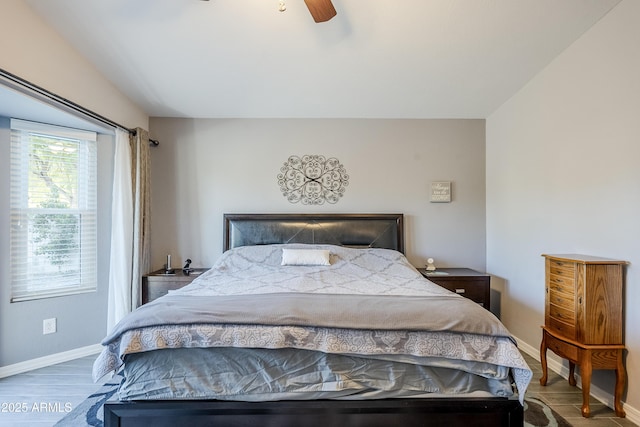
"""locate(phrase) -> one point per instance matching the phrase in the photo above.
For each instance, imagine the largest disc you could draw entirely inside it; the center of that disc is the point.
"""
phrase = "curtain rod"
(52, 96)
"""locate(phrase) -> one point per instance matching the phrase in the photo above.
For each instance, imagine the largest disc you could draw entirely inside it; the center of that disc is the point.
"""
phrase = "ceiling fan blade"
(321, 10)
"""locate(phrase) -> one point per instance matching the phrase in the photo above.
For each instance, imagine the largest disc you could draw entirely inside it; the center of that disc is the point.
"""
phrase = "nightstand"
(464, 281)
(157, 283)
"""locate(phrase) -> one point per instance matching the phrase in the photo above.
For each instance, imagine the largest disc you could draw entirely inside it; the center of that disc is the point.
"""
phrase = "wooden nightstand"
(464, 281)
(157, 284)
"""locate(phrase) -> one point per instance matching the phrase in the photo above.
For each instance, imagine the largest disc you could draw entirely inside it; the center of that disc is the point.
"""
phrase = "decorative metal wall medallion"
(313, 179)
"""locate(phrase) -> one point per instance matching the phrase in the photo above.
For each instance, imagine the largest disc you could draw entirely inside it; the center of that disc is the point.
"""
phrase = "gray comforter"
(368, 302)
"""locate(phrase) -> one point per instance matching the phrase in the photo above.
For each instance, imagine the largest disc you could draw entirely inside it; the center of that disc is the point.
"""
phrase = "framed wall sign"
(441, 192)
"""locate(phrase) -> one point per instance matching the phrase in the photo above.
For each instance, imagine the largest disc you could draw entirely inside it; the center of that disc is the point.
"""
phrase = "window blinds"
(53, 210)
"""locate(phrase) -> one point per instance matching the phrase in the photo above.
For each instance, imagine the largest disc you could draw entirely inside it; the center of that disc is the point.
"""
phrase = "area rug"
(538, 414)
(89, 412)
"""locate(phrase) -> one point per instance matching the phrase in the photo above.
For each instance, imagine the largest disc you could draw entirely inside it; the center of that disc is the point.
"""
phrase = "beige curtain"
(130, 220)
(140, 176)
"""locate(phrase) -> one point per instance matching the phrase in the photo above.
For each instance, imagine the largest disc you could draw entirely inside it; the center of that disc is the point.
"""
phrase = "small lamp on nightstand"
(430, 265)
(167, 268)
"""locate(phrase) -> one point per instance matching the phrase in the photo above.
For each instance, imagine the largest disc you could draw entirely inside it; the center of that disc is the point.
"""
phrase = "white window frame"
(31, 274)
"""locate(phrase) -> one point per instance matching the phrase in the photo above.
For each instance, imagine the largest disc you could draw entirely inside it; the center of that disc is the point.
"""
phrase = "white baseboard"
(43, 362)
(555, 364)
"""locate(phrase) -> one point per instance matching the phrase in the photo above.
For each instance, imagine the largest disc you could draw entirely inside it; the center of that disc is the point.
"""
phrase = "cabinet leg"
(572, 373)
(585, 373)
(620, 383)
(543, 358)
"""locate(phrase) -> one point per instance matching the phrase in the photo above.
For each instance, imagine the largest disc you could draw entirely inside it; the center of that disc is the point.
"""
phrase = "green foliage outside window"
(53, 188)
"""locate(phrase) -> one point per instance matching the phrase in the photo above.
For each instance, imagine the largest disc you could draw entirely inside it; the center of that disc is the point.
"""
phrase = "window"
(53, 211)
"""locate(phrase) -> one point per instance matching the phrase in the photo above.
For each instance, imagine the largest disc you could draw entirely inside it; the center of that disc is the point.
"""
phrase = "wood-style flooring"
(43, 396)
(567, 400)
(47, 394)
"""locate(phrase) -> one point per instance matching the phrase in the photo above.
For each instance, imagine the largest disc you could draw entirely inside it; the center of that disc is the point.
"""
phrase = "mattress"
(369, 309)
(242, 374)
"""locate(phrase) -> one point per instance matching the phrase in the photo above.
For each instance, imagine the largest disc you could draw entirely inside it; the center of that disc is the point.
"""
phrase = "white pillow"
(305, 257)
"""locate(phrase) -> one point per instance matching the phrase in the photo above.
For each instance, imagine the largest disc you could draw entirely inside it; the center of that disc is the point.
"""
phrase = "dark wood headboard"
(360, 230)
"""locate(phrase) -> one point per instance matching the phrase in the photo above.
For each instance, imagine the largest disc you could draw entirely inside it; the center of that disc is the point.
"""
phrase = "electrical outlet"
(49, 326)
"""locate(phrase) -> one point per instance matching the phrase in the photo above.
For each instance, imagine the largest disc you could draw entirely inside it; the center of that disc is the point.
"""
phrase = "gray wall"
(81, 318)
(563, 177)
(204, 168)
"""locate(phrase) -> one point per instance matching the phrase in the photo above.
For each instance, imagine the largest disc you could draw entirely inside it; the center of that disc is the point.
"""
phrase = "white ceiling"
(375, 59)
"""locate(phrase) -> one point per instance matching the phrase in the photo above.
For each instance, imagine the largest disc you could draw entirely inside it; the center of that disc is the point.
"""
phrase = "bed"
(313, 320)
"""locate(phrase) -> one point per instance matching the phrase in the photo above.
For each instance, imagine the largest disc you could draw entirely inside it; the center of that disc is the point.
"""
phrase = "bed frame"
(359, 230)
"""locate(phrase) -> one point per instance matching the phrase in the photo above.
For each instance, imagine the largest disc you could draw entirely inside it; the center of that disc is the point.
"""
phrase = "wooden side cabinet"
(583, 319)
(464, 281)
(157, 283)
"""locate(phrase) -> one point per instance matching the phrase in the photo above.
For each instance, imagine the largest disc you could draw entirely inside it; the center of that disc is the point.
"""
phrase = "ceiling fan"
(321, 10)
